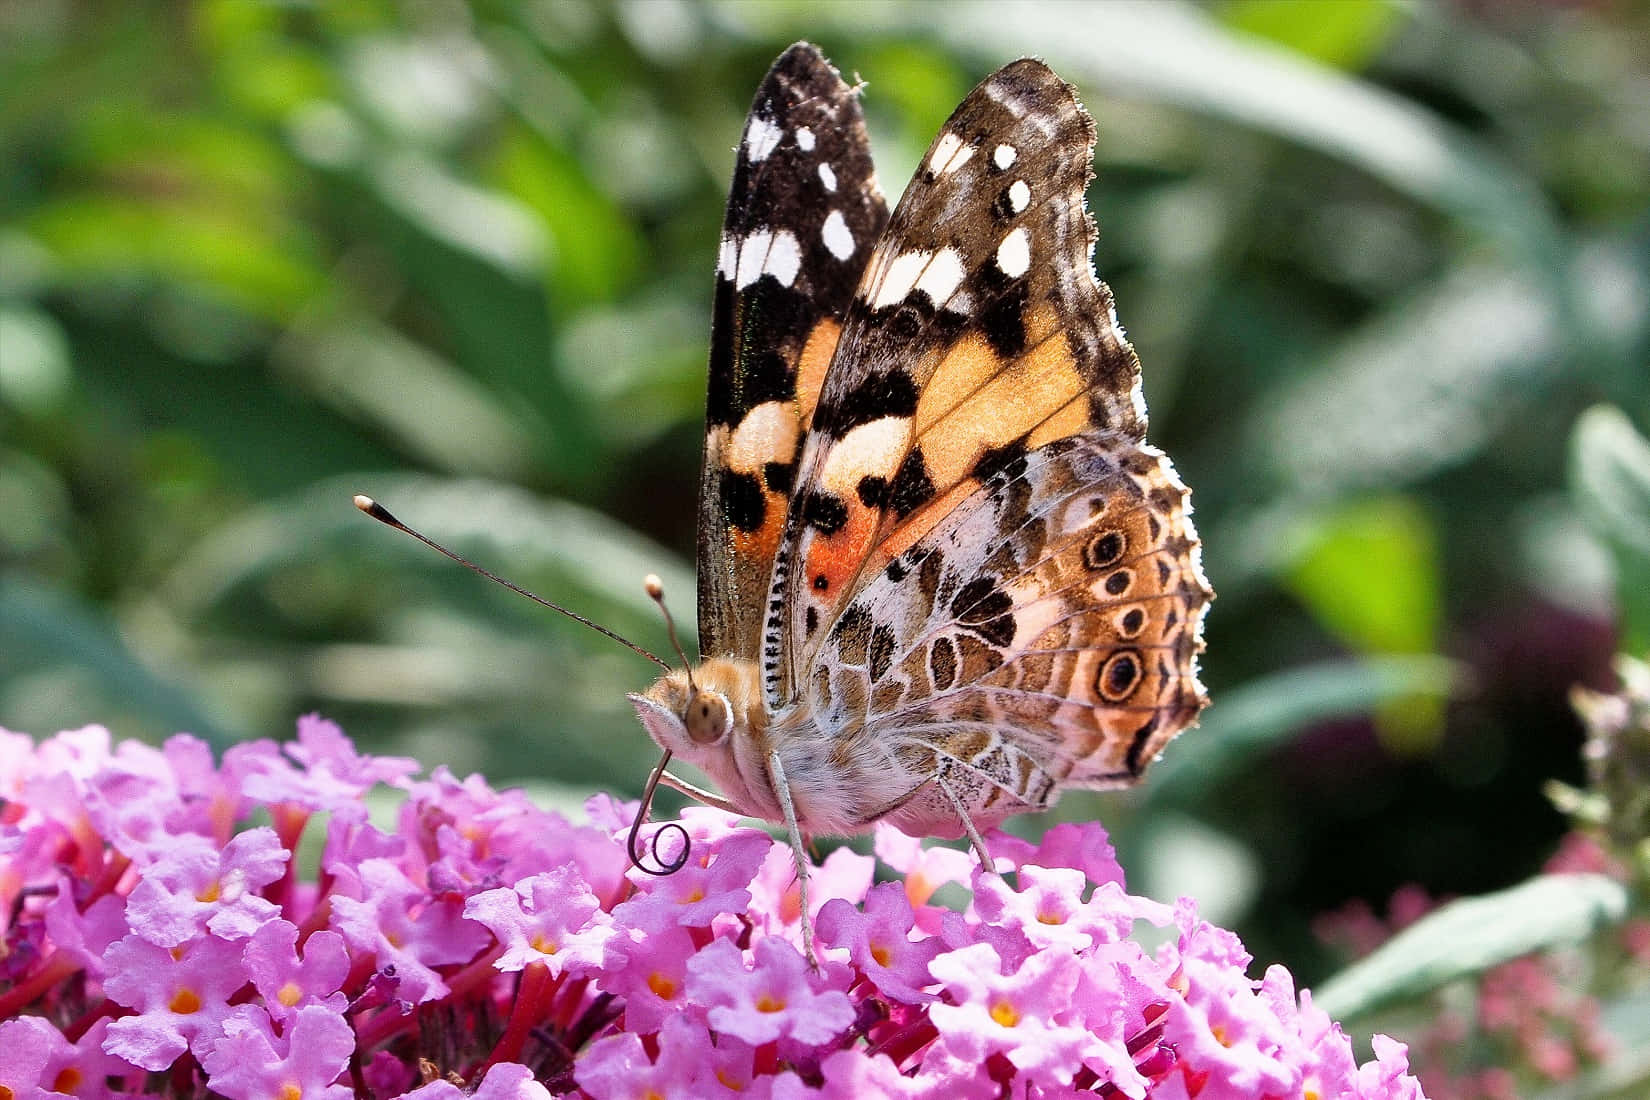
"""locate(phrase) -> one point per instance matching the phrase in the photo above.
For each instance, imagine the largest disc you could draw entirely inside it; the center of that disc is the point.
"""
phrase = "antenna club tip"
(654, 586)
(376, 510)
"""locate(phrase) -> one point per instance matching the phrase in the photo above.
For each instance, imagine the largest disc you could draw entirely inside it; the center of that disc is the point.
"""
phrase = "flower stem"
(58, 966)
(532, 997)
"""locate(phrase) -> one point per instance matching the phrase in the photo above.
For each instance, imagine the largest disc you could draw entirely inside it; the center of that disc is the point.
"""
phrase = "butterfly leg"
(974, 837)
(776, 769)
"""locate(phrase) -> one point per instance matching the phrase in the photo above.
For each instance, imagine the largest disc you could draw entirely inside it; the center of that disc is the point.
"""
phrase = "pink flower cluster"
(168, 930)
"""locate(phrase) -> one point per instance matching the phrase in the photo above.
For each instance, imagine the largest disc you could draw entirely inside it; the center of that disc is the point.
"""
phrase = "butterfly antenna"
(383, 515)
(656, 592)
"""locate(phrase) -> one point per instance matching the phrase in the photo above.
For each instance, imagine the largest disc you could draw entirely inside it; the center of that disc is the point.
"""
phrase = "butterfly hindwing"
(803, 213)
(977, 335)
(1042, 635)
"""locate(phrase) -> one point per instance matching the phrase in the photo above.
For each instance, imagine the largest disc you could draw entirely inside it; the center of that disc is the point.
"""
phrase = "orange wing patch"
(977, 402)
(810, 367)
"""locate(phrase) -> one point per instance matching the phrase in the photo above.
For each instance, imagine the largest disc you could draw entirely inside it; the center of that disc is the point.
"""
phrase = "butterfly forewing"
(978, 334)
(803, 213)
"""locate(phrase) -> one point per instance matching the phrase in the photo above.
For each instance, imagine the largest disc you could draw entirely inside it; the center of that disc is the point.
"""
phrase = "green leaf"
(1344, 34)
(45, 630)
(1610, 477)
(1369, 573)
(1268, 712)
(1472, 935)
(487, 520)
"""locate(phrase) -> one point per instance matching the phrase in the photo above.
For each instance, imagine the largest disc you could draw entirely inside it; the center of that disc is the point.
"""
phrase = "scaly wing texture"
(803, 213)
(978, 335)
(1043, 635)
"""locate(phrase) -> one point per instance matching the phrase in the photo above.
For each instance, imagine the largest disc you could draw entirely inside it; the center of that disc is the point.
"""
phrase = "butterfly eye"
(707, 718)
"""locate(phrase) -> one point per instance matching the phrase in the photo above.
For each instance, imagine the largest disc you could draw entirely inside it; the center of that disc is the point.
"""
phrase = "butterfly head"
(712, 720)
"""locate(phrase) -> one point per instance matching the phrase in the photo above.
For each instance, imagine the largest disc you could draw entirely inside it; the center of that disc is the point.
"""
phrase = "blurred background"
(1377, 258)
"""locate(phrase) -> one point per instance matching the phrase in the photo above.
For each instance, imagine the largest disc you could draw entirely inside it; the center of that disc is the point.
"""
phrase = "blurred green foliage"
(1377, 259)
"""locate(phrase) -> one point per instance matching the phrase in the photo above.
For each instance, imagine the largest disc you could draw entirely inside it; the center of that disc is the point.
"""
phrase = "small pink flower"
(1081, 846)
(248, 1061)
(401, 925)
(26, 1045)
(878, 939)
(84, 935)
(1048, 908)
(194, 887)
(925, 869)
(852, 1074)
(551, 918)
(773, 998)
(714, 883)
(844, 875)
(651, 975)
(688, 1064)
(288, 983)
(1387, 1078)
(1020, 1015)
(329, 773)
(178, 994)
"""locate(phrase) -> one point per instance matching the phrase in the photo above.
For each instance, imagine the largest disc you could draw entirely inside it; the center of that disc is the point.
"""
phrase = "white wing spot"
(784, 258)
(1004, 156)
(761, 138)
(836, 235)
(765, 253)
(805, 139)
(727, 257)
(949, 154)
(899, 278)
(827, 177)
(1014, 254)
(942, 277)
(1019, 195)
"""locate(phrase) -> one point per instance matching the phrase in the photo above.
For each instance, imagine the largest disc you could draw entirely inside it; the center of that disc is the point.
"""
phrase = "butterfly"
(942, 576)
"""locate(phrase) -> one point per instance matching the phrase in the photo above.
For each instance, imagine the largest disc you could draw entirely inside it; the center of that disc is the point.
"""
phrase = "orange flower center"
(1005, 1014)
(662, 987)
(185, 1002)
(769, 1003)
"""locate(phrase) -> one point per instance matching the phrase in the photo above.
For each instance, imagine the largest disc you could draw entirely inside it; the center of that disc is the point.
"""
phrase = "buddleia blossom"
(160, 939)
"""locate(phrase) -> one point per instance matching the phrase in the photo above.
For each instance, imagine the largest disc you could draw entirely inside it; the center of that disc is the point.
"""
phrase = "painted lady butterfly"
(942, 576)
